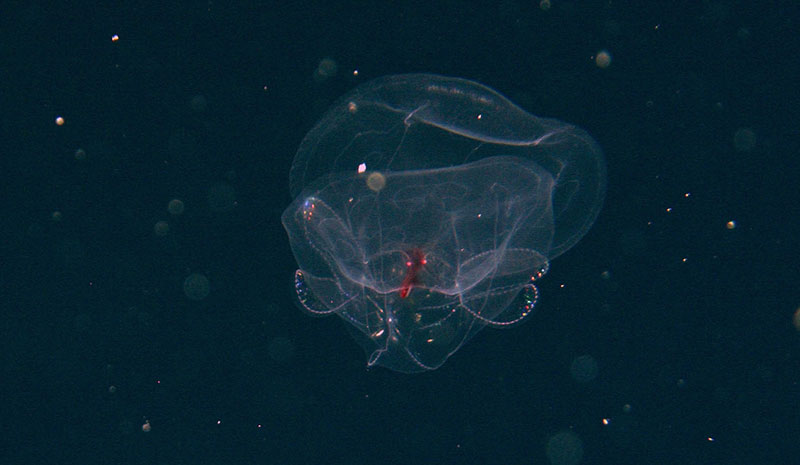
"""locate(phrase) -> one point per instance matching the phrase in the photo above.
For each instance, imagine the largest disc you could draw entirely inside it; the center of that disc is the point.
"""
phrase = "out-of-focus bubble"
(744, 139)
(583, 369)
(603, 59)
(196, 286)
(198, 103)
(161, 228)
(175, 207)
(326, 69)
(376, 181)
(627, 408)
(564, 448)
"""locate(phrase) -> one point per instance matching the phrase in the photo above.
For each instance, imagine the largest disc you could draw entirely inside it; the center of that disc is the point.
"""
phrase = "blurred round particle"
(175, 207)
(744, 139)
(196, 286)
(198, 103)
(564, 448)
(583, 369)
(376, 181)
(627, 408)
(327, 68)
(161, 228)
(602, 59)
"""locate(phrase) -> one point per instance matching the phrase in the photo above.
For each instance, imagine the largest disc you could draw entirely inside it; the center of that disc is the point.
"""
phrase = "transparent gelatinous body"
(425, 209)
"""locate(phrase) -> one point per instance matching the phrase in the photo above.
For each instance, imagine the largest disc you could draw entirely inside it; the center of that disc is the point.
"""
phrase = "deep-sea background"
(688, 319)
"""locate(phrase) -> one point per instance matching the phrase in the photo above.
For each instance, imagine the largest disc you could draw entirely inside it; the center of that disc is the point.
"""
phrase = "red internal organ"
(414, 264)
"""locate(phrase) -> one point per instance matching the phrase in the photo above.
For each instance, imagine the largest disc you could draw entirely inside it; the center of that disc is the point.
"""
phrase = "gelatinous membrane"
(427, 207)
